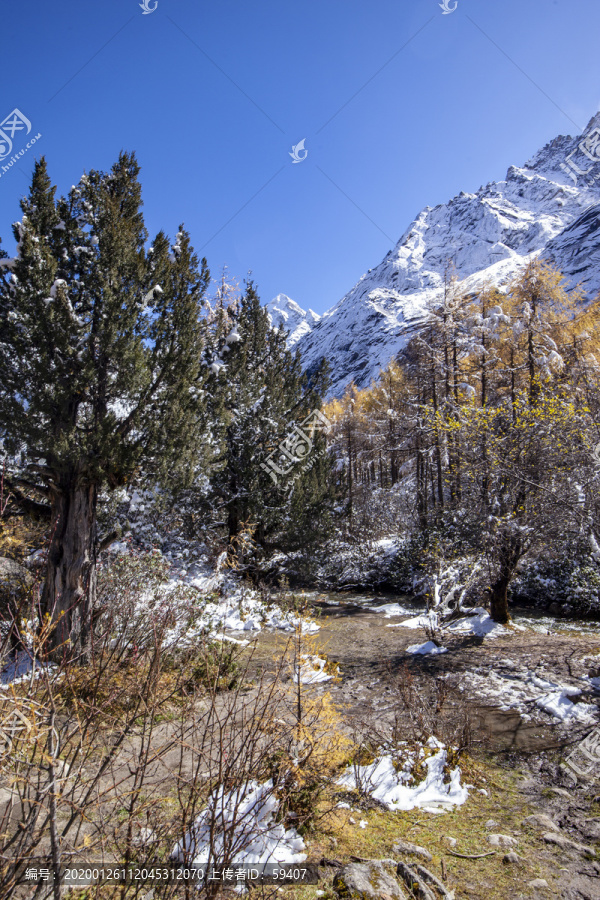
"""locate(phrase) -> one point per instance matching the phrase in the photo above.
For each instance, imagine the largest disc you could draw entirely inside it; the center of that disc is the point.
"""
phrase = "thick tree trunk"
(69, 592)
(233, 521)
(499, 599)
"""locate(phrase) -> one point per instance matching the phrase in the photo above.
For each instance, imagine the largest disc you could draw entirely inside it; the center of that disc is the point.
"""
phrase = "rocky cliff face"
(549, 207)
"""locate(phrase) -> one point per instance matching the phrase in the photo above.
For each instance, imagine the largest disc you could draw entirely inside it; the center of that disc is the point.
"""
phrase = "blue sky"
(400, 106)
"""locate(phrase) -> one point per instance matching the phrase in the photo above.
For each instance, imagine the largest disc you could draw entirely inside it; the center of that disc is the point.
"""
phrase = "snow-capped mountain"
(548, 207)
(285, 313)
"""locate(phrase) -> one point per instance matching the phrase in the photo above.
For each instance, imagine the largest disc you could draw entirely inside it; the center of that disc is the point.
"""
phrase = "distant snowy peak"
(286, 313)
(549, 207)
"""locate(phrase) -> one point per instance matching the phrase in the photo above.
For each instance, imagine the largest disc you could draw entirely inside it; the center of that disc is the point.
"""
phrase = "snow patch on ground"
(389, 610)
(479, 624)
(216, 604)
(420, 621)
(548, 624)
(389, 779)
(20, 669)
(523, 691)
(244, 830)
(428, 648)
(312, 670)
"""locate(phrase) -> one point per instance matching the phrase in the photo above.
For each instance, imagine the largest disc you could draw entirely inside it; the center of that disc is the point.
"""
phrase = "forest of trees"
(479, 440)
(120, 367)
(117, 369)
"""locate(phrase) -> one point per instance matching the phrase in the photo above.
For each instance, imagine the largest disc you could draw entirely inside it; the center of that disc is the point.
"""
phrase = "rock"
(561, 792)
(366, 881)
(429, 878)
(501, 840)
(491, 824)
(527, 785)
(415, 883)
(540, 820)
(559, 840)
(451, 841)
(537, 883)
(413, 849)
(566, 776)
(14, 579)
(511, 857)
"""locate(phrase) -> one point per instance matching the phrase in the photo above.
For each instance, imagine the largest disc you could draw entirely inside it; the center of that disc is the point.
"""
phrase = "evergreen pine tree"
(258, 392)
(100, 371)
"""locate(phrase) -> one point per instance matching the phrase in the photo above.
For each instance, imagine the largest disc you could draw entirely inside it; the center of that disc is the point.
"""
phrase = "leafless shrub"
(429, 707)
(134, 759)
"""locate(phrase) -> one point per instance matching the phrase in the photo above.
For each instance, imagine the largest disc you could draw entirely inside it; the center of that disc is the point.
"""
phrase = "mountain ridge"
(286, 313)
(543, 208)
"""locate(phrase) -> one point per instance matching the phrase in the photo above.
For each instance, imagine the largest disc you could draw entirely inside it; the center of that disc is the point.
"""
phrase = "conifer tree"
(258, 392)
(100, 368)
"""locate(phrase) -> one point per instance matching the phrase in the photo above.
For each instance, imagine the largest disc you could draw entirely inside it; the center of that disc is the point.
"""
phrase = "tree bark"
(499, 599)
(69, 593)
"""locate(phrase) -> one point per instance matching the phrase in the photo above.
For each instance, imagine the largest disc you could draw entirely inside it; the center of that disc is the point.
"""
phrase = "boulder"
(540, 820)
(559, 840)
(407, 847)
(501, 840)
(14, 578)
(566, 776)
(366, 881)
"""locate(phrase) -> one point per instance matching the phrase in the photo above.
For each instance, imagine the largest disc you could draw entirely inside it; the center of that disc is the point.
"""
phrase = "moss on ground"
(338, 837)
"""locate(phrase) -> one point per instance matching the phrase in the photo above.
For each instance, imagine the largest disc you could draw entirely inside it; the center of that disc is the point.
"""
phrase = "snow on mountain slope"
(576, 251)
(540, 209)
(285, 313)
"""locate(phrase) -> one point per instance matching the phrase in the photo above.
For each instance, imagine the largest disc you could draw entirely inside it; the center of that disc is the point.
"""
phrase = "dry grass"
(339, 838)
